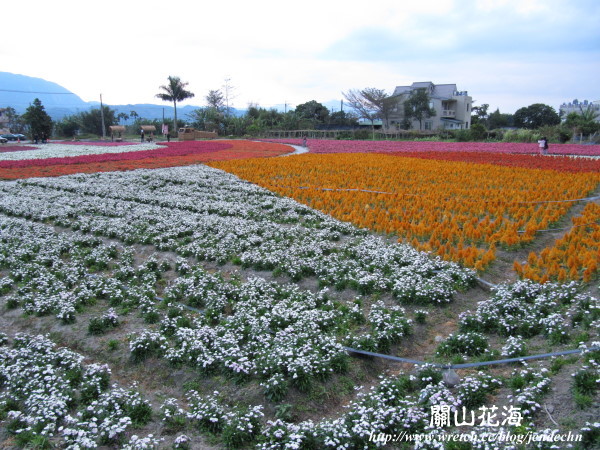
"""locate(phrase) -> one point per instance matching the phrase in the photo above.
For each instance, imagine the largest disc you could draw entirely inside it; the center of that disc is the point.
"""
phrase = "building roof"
(440, 91)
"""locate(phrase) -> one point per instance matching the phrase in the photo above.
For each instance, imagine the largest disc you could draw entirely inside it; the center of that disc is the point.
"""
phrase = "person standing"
(543, 145)
(142, 136)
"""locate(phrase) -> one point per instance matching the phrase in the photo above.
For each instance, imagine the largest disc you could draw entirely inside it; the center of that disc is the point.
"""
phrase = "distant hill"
(19, 91)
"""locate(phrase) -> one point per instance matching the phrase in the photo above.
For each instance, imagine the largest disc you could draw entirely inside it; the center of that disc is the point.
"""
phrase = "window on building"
(428, 125)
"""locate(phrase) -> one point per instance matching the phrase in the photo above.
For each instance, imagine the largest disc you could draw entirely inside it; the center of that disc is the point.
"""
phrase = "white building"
(578, 107)
(452, 107)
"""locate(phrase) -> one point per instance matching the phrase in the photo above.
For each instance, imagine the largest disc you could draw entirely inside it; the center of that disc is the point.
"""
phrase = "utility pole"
(102, 117)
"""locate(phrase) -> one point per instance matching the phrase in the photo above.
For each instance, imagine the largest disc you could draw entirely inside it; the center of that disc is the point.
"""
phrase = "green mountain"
(19, 91)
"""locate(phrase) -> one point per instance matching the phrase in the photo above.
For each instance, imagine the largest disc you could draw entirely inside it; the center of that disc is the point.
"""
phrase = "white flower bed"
(206, 213)
(272, 333)
(48, 393)
(527, 309)
(55, 273)
(271, 329)
(47, 151)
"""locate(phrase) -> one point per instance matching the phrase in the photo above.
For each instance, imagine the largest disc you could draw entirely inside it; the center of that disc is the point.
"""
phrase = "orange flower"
(445, 207)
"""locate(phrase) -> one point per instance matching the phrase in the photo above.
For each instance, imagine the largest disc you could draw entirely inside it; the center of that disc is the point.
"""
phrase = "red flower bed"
(233, 150)
(335, 146)
(16, 148)
(183, 148)
(559, 163)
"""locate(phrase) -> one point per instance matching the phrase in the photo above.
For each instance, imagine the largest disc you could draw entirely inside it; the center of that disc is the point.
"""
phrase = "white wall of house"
(577, 107)
(453, 107)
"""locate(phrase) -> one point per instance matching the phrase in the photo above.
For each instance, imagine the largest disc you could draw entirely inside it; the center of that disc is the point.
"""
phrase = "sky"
(506, 53)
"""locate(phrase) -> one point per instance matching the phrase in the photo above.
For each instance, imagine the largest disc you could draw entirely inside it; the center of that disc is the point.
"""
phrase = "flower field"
(184, 307)
(342, 146)
(558, 163)
(73, 149)
(15, 148)
(574, 256)
(63, 159)
(457, 210)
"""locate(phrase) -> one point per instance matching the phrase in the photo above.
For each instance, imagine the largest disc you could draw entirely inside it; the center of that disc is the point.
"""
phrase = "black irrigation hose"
(190, 308)
(465, 365)
(353, 351)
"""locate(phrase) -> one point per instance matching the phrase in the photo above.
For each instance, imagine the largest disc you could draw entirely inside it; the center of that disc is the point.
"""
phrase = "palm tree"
(124, 117)
(174, 92)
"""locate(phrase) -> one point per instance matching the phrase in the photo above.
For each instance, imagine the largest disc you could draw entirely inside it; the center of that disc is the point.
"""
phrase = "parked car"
(9, 137)
(3, 140)
(20, 136)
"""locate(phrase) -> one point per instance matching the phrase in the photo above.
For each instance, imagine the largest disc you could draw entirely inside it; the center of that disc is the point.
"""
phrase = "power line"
(36, 92)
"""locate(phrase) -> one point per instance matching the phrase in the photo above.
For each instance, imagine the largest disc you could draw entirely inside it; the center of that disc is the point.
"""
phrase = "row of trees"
(35, 122)
(540, 117)
(372, 103)
(369, 104)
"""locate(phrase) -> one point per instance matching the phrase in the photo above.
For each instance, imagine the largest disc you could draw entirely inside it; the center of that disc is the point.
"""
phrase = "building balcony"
(448, 113)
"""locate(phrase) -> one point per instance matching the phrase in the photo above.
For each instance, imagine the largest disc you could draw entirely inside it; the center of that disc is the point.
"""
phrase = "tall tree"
(313, 110)
(380, 101)
(215, 99)
(535, 116)
(480, 114)
(363, 108)
(499, 120)
(362, 105)
(68, 126)
(15, 123)
(174, 92)
(122, 116)
(38, 120)
(229, 95)
(91, 121)
(344, 119)
(584, 122)
(417, 106)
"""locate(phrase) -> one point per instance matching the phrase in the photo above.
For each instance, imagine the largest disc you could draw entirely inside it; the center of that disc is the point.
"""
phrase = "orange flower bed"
(458, 210)
(575, 256)
(238, 149)
(560, 163)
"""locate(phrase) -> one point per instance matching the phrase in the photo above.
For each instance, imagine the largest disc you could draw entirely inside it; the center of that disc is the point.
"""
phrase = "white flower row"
(206, 213)
(526, 309)
(49, 392)
(48, 151)
(52, 273)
